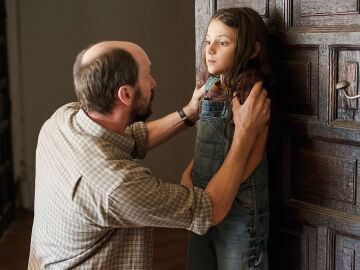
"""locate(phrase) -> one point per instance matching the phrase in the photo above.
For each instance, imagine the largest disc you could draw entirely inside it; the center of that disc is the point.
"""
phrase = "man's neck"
(115, 121)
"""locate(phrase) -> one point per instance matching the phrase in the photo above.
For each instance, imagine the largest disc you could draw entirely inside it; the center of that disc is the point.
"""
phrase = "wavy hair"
(245, 70)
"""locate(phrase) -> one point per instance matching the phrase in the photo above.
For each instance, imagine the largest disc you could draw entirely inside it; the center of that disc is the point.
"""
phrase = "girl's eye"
(207, 42)
(223, 43)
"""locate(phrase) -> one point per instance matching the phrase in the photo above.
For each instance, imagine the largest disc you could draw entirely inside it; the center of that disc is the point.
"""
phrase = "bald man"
(95, 206)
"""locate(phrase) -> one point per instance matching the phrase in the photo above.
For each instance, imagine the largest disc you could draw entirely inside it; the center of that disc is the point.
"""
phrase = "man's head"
(114, 73)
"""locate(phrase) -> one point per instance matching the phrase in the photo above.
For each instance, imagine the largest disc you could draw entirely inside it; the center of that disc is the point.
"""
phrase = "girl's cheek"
(229, 64)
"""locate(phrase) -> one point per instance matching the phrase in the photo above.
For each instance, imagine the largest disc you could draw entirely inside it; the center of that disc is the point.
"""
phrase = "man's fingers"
(235, 103)
(262, 97)
(255, 91)
(267, 109)
(202, 88)
(267, 102)
(200, 92)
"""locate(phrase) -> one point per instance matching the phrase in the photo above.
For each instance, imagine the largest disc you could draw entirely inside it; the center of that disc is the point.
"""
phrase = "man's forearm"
(250, 120)
(161, 130)
(225, 183)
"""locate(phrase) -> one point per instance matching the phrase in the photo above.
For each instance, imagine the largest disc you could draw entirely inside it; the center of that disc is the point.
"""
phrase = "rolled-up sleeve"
(147, 201)
(138, 132)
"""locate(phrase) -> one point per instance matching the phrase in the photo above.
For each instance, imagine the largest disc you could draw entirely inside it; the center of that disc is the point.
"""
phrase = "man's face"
(144, 90)
(141, 108)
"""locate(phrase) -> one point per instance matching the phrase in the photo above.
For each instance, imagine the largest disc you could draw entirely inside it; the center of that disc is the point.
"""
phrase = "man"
(94, 205)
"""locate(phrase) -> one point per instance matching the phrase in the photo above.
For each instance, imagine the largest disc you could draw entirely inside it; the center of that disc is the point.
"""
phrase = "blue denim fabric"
(209, 83)
(240, 240)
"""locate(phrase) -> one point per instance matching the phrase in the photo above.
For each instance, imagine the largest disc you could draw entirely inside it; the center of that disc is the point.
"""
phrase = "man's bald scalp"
(101, 48)
(101, 70)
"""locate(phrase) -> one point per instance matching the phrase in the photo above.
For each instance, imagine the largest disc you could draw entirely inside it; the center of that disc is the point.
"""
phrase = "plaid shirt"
(94, 205)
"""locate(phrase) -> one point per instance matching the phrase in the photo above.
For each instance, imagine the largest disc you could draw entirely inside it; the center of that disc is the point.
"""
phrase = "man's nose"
(153, 82)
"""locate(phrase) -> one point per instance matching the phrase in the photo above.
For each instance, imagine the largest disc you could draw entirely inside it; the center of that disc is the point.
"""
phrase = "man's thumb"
(235, 102)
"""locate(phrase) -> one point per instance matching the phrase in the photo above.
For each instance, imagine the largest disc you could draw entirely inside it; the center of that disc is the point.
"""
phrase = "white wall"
(45, 36)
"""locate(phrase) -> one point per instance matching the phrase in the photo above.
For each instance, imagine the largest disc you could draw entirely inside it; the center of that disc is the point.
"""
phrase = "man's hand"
(254, 114)
(186, 177)
(161, 130)
(192, 110)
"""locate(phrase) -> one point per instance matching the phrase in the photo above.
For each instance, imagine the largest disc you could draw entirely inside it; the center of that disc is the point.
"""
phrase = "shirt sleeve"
(142, 200)
(138, 132)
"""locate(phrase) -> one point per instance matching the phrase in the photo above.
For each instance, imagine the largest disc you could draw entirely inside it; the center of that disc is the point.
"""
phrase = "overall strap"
(209, 83)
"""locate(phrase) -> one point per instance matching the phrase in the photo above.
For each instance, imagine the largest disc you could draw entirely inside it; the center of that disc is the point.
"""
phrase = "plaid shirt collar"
(124, 141)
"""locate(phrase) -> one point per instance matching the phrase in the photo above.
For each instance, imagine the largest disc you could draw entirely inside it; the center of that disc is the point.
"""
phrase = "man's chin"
(141, 117)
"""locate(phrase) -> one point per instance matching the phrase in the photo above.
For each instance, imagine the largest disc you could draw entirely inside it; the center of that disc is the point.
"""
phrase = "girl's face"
(220, 46)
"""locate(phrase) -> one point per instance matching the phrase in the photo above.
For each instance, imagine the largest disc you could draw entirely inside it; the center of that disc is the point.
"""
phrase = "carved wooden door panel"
(6, 173)
(315, 143)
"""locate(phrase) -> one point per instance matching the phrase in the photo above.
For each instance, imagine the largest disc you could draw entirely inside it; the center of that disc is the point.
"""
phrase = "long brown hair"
(250, 29)
(245, 70)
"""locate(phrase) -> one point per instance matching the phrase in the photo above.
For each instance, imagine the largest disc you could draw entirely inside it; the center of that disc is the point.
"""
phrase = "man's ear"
(257, 49)
(125, 93)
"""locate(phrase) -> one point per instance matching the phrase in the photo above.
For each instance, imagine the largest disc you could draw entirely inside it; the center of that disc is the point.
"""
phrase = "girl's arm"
(186, 177)
(256, 153)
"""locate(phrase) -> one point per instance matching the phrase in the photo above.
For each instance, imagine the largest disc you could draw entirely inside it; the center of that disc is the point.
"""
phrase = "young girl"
(236, 59)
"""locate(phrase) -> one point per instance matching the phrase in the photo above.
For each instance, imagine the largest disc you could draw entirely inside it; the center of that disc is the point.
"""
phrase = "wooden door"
(315, 141)
(6, 168)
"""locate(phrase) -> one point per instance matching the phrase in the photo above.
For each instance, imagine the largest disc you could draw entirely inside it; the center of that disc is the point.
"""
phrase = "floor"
(169, 247)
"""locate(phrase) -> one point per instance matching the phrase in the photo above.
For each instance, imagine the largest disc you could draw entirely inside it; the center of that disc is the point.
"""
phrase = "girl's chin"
(214, 71)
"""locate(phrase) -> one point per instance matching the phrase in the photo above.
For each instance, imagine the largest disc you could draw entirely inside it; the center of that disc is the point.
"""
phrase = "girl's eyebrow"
(221, 35)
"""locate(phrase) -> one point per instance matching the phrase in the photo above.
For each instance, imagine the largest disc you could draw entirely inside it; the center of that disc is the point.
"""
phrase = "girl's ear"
(257, 49)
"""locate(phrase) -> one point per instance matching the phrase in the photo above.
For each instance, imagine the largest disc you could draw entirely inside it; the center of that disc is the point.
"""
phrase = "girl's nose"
(210, 49)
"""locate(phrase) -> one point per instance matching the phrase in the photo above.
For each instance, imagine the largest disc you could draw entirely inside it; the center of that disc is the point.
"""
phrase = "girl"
(236, 58)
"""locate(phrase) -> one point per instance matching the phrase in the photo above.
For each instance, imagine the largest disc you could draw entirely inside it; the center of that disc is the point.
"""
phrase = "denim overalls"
(238, 242)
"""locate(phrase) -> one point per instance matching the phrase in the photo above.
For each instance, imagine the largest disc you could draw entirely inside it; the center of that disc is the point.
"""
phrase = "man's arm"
(225, 183)
(256, 154)
(250, 120)
(161, 130)
(143, 200)
(255, 158)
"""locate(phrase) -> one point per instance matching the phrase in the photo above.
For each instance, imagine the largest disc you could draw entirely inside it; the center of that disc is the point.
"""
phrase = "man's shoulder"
(63, 112)
(67, 110)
